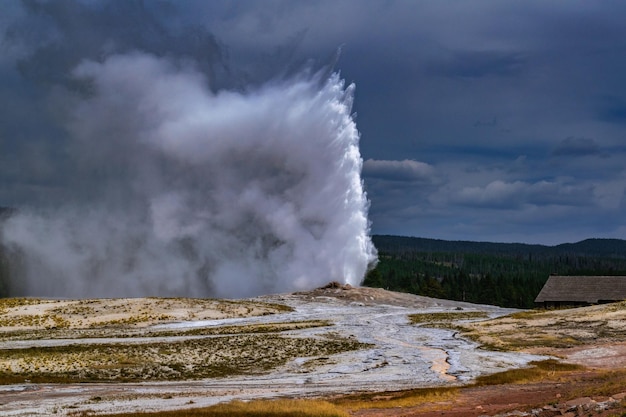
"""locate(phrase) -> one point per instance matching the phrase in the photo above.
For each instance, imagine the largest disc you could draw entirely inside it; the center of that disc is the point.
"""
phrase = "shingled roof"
(582, 289)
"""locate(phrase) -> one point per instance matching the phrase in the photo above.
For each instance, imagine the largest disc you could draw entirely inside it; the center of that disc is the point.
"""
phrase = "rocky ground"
(65, 357)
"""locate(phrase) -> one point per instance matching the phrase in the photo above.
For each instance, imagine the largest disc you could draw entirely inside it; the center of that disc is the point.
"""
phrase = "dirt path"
(542, 399)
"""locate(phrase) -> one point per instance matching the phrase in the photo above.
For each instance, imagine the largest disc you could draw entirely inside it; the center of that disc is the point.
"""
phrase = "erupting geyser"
(181, 191)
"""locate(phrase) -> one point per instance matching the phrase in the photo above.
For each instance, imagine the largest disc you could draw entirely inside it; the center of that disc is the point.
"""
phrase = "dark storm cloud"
(477, 64)
(576, 147)
(62, 33)
(479, 120)
(613, 110)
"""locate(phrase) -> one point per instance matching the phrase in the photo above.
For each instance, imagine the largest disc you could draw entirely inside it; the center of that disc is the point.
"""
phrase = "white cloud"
(495, 194)
(501, 194)
(405, 170)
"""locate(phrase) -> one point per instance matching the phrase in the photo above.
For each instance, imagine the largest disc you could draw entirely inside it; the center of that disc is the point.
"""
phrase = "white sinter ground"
(403, 356)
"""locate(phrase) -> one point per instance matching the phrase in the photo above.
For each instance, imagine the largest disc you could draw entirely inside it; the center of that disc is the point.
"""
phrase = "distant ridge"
(603, 247)
(597, 247)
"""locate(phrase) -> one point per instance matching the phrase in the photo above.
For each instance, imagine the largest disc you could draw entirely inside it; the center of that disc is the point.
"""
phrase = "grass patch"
(538, 371)
(123, 313)
(283, 408)
(246, 328)
(609, 383)
(313, 408)
(617, 306)
(63, 332)
(409, 398)
(258, 408)
(420, 318)
(528, 314)
(541, 339)
(6, 303)
(507, 341)
(210, 357)
(547, 329)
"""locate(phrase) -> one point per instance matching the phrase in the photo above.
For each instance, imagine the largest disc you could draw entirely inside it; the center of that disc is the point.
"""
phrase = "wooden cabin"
(572, 291)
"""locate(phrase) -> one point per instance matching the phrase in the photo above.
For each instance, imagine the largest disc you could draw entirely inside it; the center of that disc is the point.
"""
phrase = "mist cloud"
(184, 191)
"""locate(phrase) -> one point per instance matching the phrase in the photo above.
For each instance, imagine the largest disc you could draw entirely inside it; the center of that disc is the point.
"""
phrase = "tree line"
(507, 275)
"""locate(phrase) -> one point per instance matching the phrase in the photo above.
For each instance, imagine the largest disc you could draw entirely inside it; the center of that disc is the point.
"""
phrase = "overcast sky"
(479, 120)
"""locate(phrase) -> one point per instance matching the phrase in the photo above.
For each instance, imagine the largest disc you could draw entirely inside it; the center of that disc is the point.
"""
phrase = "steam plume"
(189, 190)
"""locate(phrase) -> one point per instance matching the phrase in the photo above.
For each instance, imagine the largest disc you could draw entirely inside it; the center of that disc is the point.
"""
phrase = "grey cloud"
(613, 110)
(510, 195)
(495, 194)
(488, 123)
(473, 84)
(405, 170)
(478, 64)
(94, 30)
(561, 193)
(572, 146)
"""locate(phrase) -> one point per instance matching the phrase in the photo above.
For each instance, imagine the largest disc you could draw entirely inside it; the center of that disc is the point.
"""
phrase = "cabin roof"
(583, 289)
